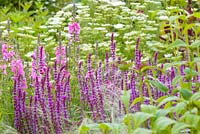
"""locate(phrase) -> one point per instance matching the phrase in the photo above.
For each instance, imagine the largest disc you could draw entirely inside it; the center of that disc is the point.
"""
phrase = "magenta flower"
(7, 52)
(74, 28)
(61, 55)
(17, 67)
(74, 31)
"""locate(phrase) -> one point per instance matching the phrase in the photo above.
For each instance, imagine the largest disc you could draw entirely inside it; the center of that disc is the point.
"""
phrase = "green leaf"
(186, 93)
(177, 43)
(140, 117)
(196, 14)
(128, 119)
(189, 72)
(84, 129)
(147, 68)
(161, 98)
(105, 127)
(176, 129)
(193, 120)
(148, 109)
(163, 112)
(162, 123)
(135, 101)
(195, 44)
(176, 80)
(142, 131)
(162, 87)
(169, 99)
(180, 108)
(196, 96)
(126, 98)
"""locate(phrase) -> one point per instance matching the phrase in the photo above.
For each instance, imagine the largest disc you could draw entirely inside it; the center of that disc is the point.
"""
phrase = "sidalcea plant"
(45, 110)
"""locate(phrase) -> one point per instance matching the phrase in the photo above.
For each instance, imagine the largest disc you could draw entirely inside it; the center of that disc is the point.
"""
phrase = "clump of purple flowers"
(46, 109)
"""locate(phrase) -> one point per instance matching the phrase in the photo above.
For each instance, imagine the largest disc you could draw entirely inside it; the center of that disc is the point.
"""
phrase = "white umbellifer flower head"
(119, 26)
(2, 27)
(163, 18)
(100, 29)
(109, 34)
(168, 55)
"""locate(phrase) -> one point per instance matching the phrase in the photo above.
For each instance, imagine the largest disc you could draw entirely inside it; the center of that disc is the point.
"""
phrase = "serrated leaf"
(140, 117)
(186, 93)
(176, 129)
(166, 100)
(156, 83)
(148, 109)
(162, 123)
(142, 131)
(177, 43)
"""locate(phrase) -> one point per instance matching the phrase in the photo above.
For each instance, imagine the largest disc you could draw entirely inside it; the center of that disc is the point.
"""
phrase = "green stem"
(140, 90)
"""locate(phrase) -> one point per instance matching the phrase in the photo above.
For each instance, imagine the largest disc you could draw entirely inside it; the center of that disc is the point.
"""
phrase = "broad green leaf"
(176, 44)
(196, 14)
(162, 123)
(140, 117)
(126, 98)
(84, 129)
(193, 120)
(142, 131)
(180, 108)
(176, 80)
(128, 119)
(196, 96)
(176, 129)
(190, 72)
(169, 99)
(186, 93)
(163, 112)
(117, 128)
(195, 44)
(105, 127)
(148, 109)
(156, 83)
